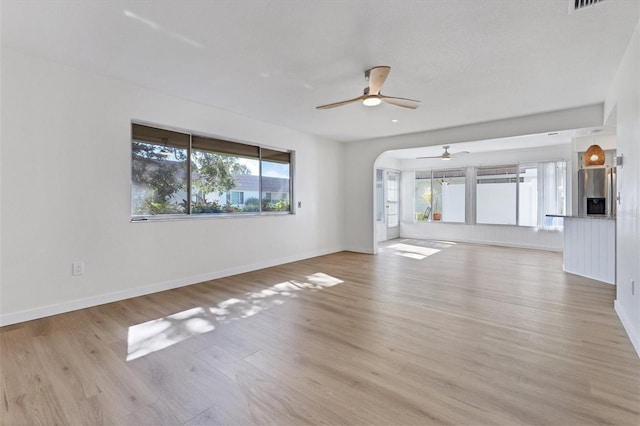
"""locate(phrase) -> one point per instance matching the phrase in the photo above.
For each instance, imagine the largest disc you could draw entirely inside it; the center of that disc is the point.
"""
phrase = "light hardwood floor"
(422, 333)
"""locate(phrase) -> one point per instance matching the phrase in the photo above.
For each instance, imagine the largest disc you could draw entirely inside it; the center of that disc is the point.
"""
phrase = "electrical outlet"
(77, 268)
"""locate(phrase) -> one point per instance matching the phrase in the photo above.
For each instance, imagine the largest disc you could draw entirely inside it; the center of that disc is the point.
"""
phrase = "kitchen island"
(590, 246)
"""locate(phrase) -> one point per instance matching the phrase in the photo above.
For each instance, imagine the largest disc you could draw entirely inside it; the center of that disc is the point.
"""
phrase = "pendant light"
(594, 155)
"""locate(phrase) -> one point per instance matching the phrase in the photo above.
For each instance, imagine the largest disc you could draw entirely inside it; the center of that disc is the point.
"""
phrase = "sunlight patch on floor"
(323, 280)
(413, 251)
(410, 255)
(161, 333)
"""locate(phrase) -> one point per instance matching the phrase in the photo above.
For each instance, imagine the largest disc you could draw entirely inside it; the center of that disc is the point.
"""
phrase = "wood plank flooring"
(422, 333)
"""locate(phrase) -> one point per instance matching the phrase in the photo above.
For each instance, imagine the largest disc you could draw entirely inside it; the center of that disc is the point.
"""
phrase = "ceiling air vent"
(576, 5)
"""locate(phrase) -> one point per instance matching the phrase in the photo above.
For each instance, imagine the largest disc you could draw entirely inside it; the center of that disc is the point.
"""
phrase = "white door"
(381, 211)
(392, 203)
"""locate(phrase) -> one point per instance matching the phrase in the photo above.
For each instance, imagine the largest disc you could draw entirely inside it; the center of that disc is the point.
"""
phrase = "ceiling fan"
(446, 155)
(376, 77)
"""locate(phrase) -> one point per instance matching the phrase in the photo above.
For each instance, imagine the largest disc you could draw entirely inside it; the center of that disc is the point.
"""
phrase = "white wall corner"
(634, 335)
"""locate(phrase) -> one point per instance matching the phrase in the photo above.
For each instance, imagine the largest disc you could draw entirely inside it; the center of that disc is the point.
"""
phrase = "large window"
(216, 176)
(539, 188)
(423, 203)
(496, 193)
(507, 195)
(219, 171)
(159, 171)
(553, 194)
(275, 180)
(440, 195)
(528, 195)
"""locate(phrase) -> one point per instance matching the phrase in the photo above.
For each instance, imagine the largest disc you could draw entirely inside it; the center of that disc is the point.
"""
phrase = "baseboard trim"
(628, 327)
(489, 243)
(360, 250)
(586, 276)
(87, 302)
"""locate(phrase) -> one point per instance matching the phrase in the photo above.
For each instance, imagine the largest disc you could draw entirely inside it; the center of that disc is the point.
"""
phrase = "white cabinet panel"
(590, 248)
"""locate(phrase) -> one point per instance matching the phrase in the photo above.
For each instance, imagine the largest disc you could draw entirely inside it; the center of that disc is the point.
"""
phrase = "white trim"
(628, 327)
(486, 242)
(364, 250)
(587, 276)
(73, 305)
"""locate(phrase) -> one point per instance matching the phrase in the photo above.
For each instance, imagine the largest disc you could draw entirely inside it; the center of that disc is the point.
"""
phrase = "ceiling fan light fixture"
(371, 96)
(446, 155)
(164, 152)
(371, 101)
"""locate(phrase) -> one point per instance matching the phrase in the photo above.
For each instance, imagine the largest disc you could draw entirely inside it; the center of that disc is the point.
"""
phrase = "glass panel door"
(380, 195)
(392, 199)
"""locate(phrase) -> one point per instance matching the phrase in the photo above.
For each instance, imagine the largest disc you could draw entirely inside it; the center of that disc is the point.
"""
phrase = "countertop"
(598, 216)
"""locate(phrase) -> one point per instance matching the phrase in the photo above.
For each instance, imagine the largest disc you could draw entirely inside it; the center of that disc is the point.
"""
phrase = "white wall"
(0, 162)
(66, 194)
(624, 99)
(515, 236)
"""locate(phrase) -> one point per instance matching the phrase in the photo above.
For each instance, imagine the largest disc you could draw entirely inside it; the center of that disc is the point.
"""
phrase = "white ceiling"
(468, 61)
(523, 142)
(487, 145)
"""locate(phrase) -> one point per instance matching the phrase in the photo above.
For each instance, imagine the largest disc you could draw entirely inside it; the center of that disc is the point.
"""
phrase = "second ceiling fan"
(376, 77)
(446, 155)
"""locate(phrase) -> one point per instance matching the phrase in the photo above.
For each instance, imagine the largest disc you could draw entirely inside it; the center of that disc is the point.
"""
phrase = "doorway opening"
(387, 204)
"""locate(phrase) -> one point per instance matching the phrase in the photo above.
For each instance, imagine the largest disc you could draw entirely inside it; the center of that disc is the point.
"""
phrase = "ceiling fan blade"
(455, 154)
(337, 104)
(401, 102)
(435, 156)
(377, 77)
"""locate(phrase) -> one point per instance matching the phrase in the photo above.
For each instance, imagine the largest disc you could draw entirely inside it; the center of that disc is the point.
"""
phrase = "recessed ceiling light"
(552, 133)
(394, 120)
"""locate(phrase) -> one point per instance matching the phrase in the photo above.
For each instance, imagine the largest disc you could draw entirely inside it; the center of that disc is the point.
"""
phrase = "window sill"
(204, 216)
(536, 228)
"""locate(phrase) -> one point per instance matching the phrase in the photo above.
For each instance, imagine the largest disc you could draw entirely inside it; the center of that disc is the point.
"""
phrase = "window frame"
(238, 194)
(471, 192)
(509, 177)
(189, 215)
(431, 173)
